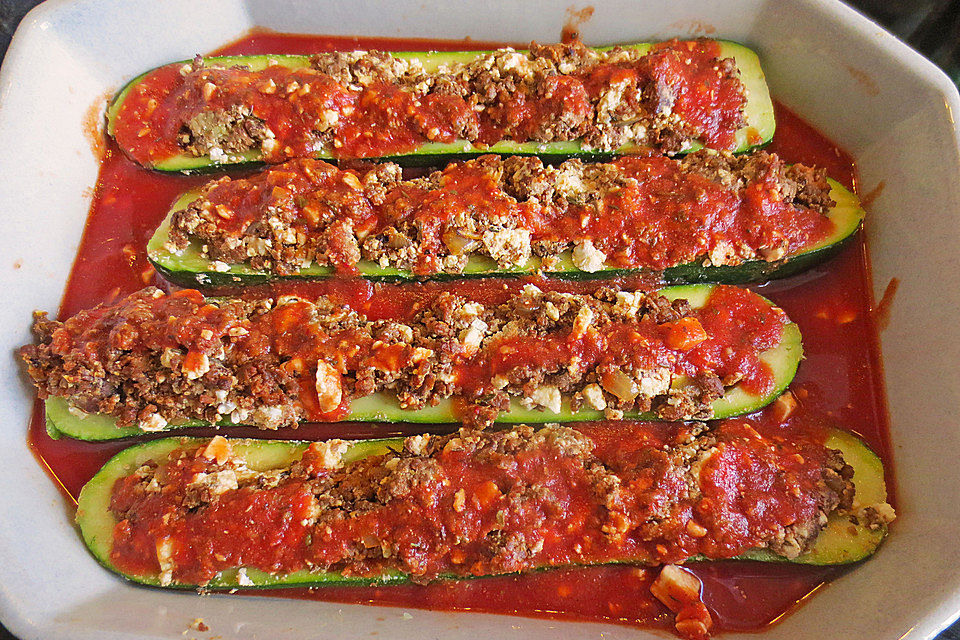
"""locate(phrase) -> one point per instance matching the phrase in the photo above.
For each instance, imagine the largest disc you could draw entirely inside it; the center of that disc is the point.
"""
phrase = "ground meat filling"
(478, 503)
(637, 212)
(154, 359)
(367, 104)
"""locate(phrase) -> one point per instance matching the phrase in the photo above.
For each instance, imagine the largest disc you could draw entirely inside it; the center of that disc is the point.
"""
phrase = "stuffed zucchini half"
(360, 509)
(690, 352)
(553, 101)
(191, 261)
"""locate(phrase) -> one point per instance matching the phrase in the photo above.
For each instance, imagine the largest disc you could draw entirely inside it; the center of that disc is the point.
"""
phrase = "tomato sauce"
(839, 382)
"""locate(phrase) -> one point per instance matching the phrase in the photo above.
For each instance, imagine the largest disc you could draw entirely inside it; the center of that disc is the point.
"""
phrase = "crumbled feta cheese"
(165, 560)
(547, 396)
(582, 322)
(154, 422)
(331, 452)
(593, 396)
(472, 336)
(329, 388)
(417, 445)
(509, 247)
(654, 383)
(268, 417)
(588, 258)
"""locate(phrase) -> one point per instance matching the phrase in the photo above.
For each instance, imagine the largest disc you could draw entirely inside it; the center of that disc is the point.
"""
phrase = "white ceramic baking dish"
(889, 107)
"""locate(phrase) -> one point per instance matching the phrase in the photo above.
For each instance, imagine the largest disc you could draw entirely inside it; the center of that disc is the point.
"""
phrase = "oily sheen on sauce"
(838, 383)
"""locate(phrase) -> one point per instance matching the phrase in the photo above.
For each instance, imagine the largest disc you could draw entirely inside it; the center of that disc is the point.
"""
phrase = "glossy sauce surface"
(839, 382)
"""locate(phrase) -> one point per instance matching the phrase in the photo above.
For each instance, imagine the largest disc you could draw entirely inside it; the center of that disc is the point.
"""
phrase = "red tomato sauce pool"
(839, 382)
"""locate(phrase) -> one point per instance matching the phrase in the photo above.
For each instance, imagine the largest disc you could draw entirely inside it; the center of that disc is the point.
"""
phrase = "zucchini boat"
(757, 117)
(847, 537)
(189, 267)
(777, 362)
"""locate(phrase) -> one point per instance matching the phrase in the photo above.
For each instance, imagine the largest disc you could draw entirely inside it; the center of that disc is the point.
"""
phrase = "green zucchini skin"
(839, 543)
(782, 359)
(190, 269)
(758, 113)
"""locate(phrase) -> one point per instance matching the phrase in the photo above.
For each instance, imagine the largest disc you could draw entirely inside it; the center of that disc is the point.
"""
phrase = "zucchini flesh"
(189, 268)
(782, 359)
(758, 114)
(841, 542)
